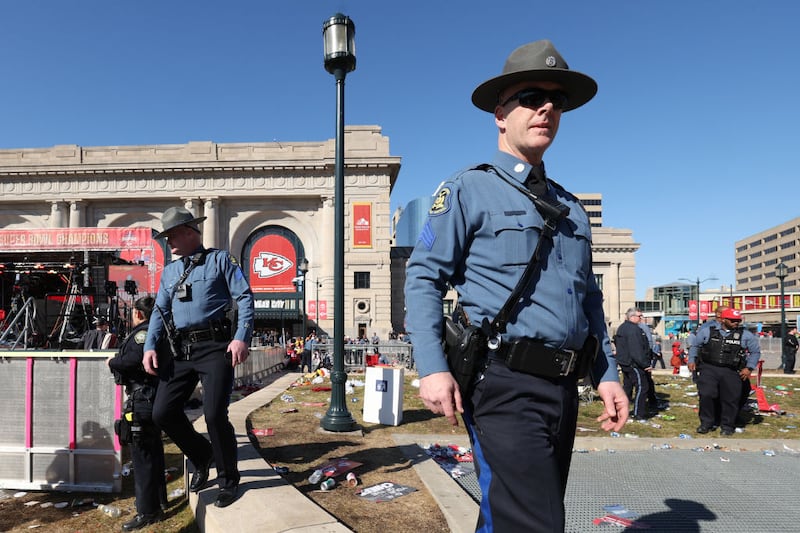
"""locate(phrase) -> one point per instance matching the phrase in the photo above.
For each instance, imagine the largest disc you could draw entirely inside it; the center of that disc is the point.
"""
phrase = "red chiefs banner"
(362, 225)
(273, 261)
(311, 309)
(25, 240)
(704, 308)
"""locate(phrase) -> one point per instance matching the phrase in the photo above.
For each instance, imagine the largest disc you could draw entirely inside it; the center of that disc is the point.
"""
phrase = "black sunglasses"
(535, 98)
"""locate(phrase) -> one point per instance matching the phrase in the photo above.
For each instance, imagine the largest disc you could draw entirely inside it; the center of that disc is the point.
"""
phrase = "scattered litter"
(631, 436)
(328, 484)
(415, 383)
(45, 505)
(619, 521)
(31, 503)
(351, 480)
(60, 505)
(313, 404)
(265, 432)
(20, 494)
(126, 469)
(455, 460)
(582, 429)
(614, 434)
(739, 430)
(287, 398)
(384, 492)
(684, 436)
(769, 453)
(667, 417)
(281, 470)
(620, 510)
(290, 410)
(725, 459)
(176, 493)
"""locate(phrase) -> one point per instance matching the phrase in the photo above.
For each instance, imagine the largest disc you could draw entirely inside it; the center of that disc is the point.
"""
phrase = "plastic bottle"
(110, 510)
(315, 477)
(176, 493)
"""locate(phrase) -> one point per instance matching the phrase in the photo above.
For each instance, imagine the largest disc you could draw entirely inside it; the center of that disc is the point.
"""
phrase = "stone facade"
(241, 188)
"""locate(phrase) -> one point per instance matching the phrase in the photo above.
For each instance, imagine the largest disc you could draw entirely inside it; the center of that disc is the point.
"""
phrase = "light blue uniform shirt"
(215, 281)
(479, 237)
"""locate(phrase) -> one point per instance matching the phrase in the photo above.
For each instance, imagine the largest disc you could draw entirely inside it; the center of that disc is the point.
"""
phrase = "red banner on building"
(362, 225)
(705, 307)
(273, 264)
(311, 309)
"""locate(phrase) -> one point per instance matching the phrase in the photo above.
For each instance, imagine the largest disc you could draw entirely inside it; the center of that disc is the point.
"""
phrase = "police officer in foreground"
(194, 297)
(147, 450)
(480, 235)
(724, 355)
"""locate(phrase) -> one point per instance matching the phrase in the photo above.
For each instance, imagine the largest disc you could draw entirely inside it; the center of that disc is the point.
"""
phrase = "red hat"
(732, 314)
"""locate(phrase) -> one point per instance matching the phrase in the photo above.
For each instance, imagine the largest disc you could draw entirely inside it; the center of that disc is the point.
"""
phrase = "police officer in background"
(633, 356)
(147, 450)
(480, 234)
(195, 295)
(724, 356)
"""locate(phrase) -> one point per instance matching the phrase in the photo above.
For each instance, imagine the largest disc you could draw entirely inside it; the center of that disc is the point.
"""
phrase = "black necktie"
(536, 182)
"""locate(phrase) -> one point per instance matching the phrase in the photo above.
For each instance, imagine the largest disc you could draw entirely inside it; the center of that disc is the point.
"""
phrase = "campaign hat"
(536, 61)
(177, 216)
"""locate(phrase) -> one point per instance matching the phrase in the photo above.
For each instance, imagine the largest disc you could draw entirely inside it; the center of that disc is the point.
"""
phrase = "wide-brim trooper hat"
(536, 61)
(177, 216)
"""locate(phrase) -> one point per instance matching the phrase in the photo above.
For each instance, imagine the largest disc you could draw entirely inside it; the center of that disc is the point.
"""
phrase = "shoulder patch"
(441, 204)
(233, 260)
(140, 337)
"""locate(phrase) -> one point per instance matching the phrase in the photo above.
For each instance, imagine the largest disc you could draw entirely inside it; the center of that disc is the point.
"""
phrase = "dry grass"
(300, 445)
(16, 516)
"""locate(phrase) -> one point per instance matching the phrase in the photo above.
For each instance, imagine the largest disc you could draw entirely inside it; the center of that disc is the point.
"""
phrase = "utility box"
(383, 395)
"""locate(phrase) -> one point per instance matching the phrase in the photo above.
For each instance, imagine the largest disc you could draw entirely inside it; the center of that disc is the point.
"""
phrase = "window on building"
(788, 231)
(757, 254)
(771, 249)
(361, 280)
(771, 237)
(755, 243)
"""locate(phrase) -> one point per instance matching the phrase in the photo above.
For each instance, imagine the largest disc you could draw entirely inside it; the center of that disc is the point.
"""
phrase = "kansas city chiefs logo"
(267, 264)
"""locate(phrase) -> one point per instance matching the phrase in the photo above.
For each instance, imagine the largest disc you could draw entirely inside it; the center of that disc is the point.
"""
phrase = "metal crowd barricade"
(358, 355)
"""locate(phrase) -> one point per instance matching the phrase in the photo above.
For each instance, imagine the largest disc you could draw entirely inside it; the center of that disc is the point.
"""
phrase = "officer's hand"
(692, 367)
(150, 362)
(745, 374)
(239, 352)
(440, 394)
(616, 406)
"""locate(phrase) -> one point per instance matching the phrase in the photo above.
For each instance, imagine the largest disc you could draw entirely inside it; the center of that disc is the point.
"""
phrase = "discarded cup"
(328, 484)
(352, 480)
(315, 477)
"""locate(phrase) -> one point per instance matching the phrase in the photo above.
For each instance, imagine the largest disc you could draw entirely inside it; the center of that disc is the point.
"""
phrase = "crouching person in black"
(144, 436)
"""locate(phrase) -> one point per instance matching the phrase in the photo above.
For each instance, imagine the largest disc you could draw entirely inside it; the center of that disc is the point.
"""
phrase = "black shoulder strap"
(552, 213)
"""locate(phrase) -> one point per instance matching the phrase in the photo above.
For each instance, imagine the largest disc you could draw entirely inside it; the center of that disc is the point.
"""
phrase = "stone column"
(58, 214)
(192, 204)
(76, 214)
(209, 225)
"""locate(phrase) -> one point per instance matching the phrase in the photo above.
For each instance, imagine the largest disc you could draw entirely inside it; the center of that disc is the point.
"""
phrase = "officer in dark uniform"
(480, 235)
(195, 296)
(724, 356)
(147, 450)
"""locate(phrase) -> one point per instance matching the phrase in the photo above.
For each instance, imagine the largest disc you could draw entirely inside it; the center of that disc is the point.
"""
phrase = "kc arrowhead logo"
(267, 264)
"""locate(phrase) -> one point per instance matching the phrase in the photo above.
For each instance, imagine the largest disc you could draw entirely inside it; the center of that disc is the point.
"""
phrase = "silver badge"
(550, 61)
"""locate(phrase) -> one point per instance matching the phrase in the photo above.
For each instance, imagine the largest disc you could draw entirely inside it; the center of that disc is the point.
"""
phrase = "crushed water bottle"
(315, 477)
(110, 510)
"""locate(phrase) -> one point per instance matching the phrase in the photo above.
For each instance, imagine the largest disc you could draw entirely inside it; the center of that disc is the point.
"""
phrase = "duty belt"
(197, 335)
(533, 357)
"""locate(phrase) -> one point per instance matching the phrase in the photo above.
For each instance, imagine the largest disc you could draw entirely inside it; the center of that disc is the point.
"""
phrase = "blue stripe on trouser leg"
(522, 429)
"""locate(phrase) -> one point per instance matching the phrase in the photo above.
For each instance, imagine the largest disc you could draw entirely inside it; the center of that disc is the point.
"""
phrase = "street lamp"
(782, 271)
(697, 283)
(303, 268)
(338, 36)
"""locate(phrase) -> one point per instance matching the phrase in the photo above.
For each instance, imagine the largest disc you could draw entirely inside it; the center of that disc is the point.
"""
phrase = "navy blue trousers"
(720, 388)
(522, 429)
(209, 365)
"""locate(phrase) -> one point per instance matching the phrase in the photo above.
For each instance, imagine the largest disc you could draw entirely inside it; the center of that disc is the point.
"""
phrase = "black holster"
(466, 351)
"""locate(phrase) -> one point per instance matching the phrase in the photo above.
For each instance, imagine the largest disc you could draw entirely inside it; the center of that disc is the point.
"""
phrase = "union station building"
(73, 216)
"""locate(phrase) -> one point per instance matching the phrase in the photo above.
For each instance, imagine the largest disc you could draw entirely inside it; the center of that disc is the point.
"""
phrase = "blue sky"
(692, 138)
